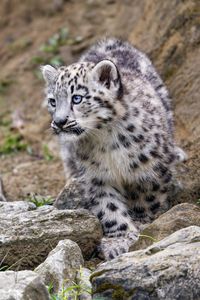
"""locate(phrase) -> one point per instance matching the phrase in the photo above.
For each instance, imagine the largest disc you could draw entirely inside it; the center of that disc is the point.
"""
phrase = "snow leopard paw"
(110, 248)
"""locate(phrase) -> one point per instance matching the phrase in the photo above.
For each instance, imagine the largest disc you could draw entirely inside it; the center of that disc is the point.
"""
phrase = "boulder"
(69, 196)
(22, 285)
(26, 237)
(179, 216)
(168, 269)
(83, 279)
(63, 269)
(61, 266)
(18, 206)
(2, 196)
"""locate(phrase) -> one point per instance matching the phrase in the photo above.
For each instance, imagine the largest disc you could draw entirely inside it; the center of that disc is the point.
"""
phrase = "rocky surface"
(168, 269)
(72, 193)
(22, 285)
(169, 32)
(26, 237)
(2, 197)
(16, 207)
(83, 280)
(179, 216)
(61, 266)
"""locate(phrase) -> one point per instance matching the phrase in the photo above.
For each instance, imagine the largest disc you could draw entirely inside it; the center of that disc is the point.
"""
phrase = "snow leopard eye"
(76, 99)
(52, 102)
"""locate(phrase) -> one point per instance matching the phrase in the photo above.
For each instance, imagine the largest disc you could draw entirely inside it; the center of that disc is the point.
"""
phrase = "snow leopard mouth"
(74, 130)
(68, 129)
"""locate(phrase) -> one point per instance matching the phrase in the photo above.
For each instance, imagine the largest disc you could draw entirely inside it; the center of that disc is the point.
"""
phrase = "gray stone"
(69, 196)
(2, 196)
(16, 206)
(179, 216)
(166, 270)
(61, 266)
(26, 237)
(22, 285)
(83, 279)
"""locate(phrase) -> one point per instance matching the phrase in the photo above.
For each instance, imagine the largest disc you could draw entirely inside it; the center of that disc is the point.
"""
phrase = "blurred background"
(34, 32)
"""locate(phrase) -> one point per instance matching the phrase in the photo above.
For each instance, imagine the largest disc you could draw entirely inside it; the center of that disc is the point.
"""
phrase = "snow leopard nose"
(60, 122)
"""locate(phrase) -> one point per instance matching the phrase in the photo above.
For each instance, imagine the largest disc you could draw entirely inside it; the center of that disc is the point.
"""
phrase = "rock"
(69, 196)
(18, 206)
(168, 270)
(83, 279)
(2, 197)
(61, 266)
(179, 216)
(26, 237)
(22, 285)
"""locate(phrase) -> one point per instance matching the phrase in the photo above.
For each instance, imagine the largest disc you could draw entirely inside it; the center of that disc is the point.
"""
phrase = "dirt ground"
(169, 31)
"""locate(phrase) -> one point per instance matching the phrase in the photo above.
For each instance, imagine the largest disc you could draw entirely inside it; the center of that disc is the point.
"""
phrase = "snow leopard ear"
(106, 73)
(49, 73)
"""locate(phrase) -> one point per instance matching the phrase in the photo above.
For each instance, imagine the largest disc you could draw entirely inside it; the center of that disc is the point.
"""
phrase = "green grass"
(4, 268)
(47, 153)
(54, 42)
(40, 200)
(71, 292)
(49, 52)
(13, 142)
(148, 237)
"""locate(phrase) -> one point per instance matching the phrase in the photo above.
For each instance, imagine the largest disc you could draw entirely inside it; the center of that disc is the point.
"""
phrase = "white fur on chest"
(113, 166)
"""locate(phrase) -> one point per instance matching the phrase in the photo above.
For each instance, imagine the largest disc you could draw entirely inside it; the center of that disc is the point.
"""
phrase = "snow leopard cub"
(113, 116)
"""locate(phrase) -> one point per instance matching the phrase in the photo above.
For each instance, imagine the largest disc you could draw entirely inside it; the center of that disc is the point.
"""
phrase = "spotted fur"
(118, 141)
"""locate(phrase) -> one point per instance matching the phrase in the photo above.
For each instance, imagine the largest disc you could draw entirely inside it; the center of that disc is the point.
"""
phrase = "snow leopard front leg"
(109, 205)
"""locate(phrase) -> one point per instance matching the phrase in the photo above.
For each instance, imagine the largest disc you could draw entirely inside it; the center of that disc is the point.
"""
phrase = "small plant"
(47, 153)
(3, 268)
(198, 201)
(71, 292)
(39, 200)
(12, 143)
(38, 60)
(49, 52)
(57, 40)
(56, 60)
(148, 237)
